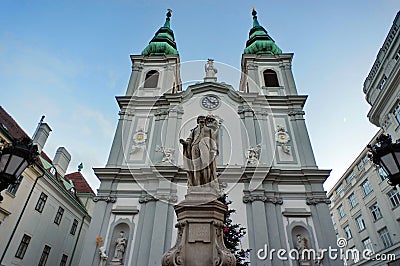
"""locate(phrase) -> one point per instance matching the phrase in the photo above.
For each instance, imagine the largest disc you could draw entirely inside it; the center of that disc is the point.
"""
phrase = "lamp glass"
(21, 169)
(3, 162)
(13, 164)
(389, 162)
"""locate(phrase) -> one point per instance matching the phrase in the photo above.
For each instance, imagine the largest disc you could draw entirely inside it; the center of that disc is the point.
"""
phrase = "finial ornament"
(254, 13)
(169, 11)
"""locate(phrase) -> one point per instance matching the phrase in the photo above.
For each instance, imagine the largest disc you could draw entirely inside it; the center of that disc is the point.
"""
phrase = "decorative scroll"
(315, 201)
(105, 198)
(252, 198)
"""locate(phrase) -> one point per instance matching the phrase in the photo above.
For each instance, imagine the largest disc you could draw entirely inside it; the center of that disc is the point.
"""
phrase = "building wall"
(382, 86)
(18, 217)
(362, 169)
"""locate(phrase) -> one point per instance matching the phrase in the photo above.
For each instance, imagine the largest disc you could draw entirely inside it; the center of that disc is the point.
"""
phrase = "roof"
(80, 183)
(11, 126)
(163, 42)
(259, 41)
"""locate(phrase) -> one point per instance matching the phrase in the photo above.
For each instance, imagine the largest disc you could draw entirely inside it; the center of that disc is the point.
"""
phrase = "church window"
(151, 80)
(270, 78)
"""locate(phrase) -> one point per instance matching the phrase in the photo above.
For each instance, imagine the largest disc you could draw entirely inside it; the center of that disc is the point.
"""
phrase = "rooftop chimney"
(61, 160)
(41, 134)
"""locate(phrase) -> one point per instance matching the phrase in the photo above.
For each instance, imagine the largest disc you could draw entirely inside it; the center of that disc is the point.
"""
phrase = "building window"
(366, 187)
(353, 200)
(375, 211)
(394, 197)
(341, 211)
(41, 202)
(366, 159)
(64, 260)
(270, 78)
(74, 226)
(382, 173)
(355, 250)
(360, 223)
(350, 177)
(382, 83)
(12, 189)
(339, 189)
(396, 113)
(59, 216)
(332, 197)
(151, 80)
(360, 165)
(385, 237)
(45, 255)
(347, 231)
(23, 247)
(397, 55)
(368, 244)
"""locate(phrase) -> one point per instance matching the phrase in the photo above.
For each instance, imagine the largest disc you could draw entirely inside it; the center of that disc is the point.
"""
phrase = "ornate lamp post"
(386, 154)
(14, 159)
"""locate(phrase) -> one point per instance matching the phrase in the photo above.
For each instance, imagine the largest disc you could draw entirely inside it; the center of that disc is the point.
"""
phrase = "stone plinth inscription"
(199, 233)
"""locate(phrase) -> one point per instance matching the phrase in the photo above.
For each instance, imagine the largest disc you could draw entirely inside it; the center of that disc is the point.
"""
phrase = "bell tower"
(265, 66)
(156, 70)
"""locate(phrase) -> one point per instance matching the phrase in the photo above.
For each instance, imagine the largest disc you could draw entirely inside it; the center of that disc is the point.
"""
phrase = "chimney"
(61, 160)
(42, 133)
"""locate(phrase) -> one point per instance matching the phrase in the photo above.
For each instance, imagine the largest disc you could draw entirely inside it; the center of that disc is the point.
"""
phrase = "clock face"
(210, 102)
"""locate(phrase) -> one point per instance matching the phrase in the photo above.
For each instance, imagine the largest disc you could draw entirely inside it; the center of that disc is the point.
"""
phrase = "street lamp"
(386, 154)
(14, 159)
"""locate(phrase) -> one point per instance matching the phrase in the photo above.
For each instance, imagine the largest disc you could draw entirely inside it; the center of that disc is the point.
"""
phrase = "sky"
(68, 59)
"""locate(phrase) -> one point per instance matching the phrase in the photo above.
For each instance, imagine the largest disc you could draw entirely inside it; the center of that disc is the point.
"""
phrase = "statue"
(301, 246)
(102, 253)
(199, 153)
(120, 245)
(253, 155)
(210, 71)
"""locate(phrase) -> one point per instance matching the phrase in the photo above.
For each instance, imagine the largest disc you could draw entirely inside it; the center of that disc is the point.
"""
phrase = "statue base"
(200, 237)
(115, 262)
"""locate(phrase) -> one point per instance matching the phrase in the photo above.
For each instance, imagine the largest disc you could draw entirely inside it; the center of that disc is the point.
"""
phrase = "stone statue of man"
(199, 154)
(120, 245)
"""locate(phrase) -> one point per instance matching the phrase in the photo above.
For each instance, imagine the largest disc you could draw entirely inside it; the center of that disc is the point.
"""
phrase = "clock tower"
(265, 160)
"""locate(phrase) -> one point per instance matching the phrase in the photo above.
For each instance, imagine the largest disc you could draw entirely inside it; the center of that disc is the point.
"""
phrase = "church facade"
(265, 161)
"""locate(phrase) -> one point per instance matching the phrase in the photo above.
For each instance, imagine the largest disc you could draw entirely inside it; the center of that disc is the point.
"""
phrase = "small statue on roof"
(80, 167)
(211, 71)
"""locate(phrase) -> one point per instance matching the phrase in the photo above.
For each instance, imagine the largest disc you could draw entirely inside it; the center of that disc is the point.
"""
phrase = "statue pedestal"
(115, 262)
(200, 238)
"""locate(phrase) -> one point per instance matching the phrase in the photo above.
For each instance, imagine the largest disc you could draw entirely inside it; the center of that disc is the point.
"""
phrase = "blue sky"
(69, 59)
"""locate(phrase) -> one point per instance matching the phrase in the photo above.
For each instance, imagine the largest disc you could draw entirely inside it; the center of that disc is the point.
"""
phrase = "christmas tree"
(232, 235)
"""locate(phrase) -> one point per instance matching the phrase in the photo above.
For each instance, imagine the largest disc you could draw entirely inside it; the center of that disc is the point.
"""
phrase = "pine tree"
(232, 235)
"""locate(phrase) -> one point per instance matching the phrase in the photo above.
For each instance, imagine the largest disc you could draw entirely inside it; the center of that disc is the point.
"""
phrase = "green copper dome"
(259, 41)
(163, 42)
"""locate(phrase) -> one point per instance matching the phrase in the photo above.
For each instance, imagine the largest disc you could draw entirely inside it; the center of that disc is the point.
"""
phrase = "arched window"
(270, 78)
(151, 79)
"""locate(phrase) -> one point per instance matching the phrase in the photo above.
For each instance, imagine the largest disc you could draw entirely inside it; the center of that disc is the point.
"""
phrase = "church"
(265, 162)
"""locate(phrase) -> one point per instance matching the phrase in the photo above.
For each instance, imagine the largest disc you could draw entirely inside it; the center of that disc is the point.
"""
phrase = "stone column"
(200, 237)
(302, 139)
(258, 228)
